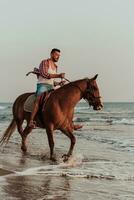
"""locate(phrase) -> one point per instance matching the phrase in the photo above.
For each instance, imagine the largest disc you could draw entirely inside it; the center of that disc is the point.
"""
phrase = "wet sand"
(4, 172)
(94, 172)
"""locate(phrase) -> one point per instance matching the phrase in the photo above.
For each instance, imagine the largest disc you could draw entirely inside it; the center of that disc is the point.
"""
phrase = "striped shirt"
(45, 70)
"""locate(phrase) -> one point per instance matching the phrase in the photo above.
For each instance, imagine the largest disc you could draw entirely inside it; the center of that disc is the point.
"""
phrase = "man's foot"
(32, 124)
(77, 126)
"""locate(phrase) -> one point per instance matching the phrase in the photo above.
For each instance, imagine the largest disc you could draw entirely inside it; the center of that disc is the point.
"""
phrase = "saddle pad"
(29, 103)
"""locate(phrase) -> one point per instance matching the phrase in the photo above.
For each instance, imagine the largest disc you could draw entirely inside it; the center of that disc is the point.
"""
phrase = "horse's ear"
(95, 77)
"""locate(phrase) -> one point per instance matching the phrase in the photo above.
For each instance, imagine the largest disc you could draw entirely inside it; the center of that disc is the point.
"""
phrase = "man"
(46, 74)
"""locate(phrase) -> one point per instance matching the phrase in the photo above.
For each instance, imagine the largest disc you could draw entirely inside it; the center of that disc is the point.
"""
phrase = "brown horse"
(57, 114)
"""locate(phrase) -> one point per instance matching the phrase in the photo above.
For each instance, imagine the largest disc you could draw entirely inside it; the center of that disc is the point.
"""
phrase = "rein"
(74, 85)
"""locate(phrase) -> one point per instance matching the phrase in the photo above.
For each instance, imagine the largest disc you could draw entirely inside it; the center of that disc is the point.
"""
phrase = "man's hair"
(53, 50)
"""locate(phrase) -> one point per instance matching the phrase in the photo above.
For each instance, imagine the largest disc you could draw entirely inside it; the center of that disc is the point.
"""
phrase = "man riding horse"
(46, 75)
(57, 111)
(55, 114)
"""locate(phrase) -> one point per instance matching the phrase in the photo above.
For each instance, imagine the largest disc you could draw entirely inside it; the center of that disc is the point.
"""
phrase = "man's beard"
(55, 60)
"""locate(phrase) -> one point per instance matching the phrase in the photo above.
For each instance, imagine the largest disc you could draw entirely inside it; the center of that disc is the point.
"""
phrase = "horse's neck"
(75, 91)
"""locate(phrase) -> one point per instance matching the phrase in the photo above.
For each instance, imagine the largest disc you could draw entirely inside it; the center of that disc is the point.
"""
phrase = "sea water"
(101, 167)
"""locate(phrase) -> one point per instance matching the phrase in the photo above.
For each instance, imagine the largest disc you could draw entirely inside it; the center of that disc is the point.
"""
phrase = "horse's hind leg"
(24, 135)
(19, 126)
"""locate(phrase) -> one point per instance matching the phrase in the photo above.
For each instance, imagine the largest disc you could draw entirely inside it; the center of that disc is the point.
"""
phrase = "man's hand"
(62, 83)
(62, 75)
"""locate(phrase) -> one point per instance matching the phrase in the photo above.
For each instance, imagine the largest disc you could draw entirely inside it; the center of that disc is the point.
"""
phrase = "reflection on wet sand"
(37, 187)
(4, 172)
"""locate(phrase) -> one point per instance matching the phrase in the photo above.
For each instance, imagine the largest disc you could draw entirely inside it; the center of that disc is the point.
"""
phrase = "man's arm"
(43, 69)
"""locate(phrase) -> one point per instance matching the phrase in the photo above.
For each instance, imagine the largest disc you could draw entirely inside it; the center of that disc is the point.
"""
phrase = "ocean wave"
(82, 108)
(79, 119)
(88, 110)
(112, 121)
(75, 167)
(5, 117)
(74, 174)
(65, 173)
(124, 121)
(87, 119)
(3, 107)
(80, 167)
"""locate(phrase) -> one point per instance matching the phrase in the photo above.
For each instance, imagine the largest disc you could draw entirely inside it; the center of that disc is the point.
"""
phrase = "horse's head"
(92, 94)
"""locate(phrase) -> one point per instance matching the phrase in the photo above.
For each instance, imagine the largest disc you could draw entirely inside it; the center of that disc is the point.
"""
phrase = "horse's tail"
(8, 132)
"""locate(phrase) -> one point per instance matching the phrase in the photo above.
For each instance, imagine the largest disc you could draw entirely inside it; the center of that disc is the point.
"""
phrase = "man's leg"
(32, 123)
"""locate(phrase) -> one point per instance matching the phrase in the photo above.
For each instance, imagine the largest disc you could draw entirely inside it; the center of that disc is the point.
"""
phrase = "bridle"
(89, 91)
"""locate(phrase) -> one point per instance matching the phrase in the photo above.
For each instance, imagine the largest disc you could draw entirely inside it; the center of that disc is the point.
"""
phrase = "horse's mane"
(71, 83)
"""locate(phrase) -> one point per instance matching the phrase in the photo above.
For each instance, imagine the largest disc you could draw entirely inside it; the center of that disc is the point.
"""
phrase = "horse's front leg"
(51, 143)
(69, 133)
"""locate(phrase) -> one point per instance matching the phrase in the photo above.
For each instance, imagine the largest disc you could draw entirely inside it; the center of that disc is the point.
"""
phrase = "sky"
(94, 36)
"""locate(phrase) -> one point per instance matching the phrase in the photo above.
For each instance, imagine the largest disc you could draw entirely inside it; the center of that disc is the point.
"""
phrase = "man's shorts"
(43, 87)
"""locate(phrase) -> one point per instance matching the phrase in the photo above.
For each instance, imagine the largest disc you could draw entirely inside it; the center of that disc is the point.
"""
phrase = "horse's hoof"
(53, 159)
(24, 149)
(65, 157)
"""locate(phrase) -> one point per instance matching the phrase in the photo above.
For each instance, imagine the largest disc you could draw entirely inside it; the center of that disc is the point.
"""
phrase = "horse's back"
(19, 103)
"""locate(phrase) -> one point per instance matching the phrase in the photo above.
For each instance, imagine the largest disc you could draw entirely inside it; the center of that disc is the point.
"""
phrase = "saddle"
(29, 103)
